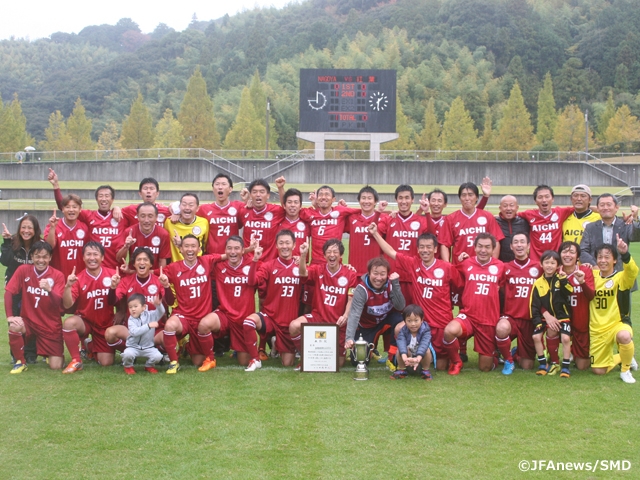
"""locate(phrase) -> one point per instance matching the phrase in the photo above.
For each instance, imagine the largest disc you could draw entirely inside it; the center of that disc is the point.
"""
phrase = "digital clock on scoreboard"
(347, 101)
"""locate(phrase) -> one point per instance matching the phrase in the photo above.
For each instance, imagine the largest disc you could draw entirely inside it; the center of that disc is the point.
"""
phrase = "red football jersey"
(106, 230)
(263, 226)
(481, 294)
(431, 287)
(362, 247)
(237, 297)
(68, 250)
(377, 306)
(402, 234)
(301, 231)
(38, 308)
(580, 299)
(192, 286)
(224, 222)
(149, 287)
(330, 290)
(545, 232)
(158, 241)
(130, 215)
(90, 295)
(325, 227)
(519, 280)
(434, 227)
(460, 231)
(281, 282)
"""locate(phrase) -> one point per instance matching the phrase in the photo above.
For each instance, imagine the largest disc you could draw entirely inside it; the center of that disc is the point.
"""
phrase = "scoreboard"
(360, 101)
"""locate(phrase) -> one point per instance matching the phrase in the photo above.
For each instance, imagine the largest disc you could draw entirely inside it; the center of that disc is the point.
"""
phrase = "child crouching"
(142, 328)
(414, 342)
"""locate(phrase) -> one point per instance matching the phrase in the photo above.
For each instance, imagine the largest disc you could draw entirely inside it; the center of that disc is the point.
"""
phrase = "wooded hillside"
(480, 51)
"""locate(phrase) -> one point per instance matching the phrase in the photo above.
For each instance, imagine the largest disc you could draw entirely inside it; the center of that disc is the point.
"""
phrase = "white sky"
(41, 18)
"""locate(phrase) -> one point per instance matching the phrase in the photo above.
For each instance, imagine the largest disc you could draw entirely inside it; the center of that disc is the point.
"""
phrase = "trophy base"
(361, 373)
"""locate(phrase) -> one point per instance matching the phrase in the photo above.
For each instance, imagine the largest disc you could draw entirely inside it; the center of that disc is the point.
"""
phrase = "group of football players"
(205, 263)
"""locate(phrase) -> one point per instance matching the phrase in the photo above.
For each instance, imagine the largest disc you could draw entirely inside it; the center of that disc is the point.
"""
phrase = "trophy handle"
(371, 347)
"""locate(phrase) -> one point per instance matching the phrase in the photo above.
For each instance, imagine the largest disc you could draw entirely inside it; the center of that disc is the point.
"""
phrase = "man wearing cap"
(573, 227)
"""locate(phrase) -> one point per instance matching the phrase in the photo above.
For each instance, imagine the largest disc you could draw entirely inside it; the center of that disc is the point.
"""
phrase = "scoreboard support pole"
(375, 139)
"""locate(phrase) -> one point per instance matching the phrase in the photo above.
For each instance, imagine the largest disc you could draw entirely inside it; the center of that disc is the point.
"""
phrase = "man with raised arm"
(279, 283)
(431, 281)
(105, 225)
(146, 234)
(88, 291)
(67, 236)
(332, 283)
(461, 227)
(605, 327)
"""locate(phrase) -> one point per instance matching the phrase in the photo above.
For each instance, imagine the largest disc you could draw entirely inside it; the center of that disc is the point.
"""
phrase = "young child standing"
(550, 313)
(142, 328)
(414, 345)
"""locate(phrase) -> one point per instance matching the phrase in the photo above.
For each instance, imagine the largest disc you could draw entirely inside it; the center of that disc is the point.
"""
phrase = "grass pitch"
(277, 423)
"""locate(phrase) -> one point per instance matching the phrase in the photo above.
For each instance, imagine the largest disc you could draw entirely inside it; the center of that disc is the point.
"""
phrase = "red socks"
(16, 343)
(453, 350)
(250, 338)
(170, 344)
(552, 347)
(504, 347)
(206, 344)
(72, 341)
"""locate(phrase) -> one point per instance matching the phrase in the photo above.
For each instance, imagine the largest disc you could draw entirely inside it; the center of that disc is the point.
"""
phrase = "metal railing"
(606, 168)
(224, 164)
(223, 157)
(287, 162)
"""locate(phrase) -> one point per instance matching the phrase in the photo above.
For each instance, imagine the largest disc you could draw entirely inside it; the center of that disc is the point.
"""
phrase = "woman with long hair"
(15, 252)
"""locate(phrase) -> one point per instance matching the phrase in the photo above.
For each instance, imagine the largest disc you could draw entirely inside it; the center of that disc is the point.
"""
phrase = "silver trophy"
(360, 353)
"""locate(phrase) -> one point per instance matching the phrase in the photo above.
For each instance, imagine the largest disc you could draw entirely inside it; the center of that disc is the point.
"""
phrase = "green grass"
(276, 423)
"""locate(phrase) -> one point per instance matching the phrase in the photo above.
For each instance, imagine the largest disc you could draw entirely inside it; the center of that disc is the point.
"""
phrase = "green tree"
(623, 127)
(621, 82)
(110, 137)
(573, 83)
(569, 133)
(168, 132)
(487, 140)
(56, 136)
(547, 115)
(196, 115)
(605, 117)
(457, 130)
(79, 128)
(428, 138)
(13, 127)
(405, 140)
(516, 131)
(246, 133)
(137, 128)
(259, 102)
